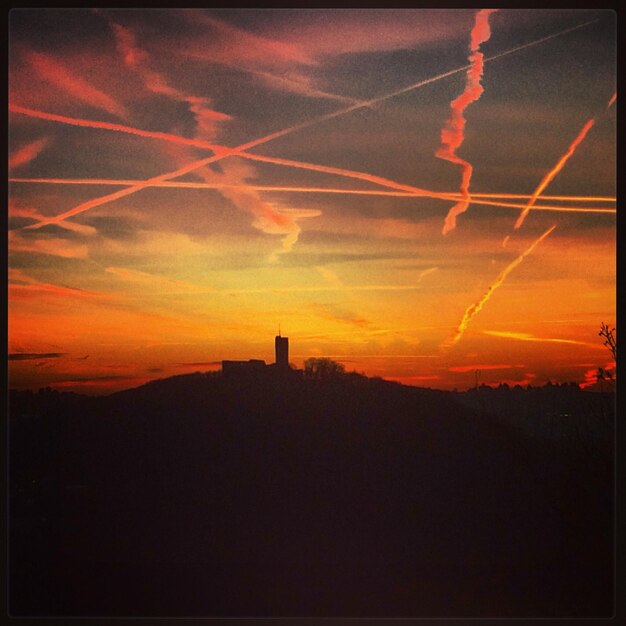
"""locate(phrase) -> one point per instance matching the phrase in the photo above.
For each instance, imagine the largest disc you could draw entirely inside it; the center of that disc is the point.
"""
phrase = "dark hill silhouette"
(200, 495)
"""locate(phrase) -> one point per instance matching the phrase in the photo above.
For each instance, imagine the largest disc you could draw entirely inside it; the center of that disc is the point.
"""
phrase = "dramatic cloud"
(254, 133)
(195, 165)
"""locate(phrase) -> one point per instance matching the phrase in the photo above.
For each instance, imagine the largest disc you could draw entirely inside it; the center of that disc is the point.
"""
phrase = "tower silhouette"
(281, 346)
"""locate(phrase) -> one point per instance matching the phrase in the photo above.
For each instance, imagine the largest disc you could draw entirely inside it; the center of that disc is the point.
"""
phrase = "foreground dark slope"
(197, 495)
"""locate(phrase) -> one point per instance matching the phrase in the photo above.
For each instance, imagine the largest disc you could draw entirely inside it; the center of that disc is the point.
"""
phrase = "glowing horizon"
(317, 203)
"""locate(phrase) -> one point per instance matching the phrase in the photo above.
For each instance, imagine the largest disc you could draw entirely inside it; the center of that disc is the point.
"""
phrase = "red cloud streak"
(452, 135)
(27, 153)
(57, 74)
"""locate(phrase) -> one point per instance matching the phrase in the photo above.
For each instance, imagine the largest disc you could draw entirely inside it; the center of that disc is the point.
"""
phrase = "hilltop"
(207, 495)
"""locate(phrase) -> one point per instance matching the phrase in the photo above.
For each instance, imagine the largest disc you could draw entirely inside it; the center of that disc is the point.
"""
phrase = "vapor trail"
(410, 191)
(397, 92)
(528, 337)
(224, 152)
(549, 177)
(95, 202)
(475, 308)
(452, 135)
(120, 128)
(475, 198)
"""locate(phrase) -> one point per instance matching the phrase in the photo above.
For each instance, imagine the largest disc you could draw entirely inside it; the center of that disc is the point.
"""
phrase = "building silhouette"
(253, 366)
(281, 349)
(256, 367)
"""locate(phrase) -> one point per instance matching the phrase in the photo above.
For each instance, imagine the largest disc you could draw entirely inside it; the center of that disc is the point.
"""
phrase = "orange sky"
(312, 196)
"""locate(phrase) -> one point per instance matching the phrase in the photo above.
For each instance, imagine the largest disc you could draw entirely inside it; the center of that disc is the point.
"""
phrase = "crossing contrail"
(474, 198)
(549, 177)
(225, 152)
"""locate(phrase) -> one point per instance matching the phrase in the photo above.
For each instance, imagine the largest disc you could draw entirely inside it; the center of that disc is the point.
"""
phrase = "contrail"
(290, 84)
(224, 152)
(397, 92)
(475, 308)
(549, 177)
(95, 202)
(122, 182)
(408, 189)
(452, 134)
(120, 128)
(528, 337)
(378, 180)
(474, 198)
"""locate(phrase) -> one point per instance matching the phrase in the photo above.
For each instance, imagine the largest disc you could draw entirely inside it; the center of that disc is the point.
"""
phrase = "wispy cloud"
(268, 218)
(52, 246)
(231, 43)
(138, 60)
(330, 276)
(20, 284)
(293, 82)
(27, 153)
(337, 313)
(370, 30)
(154, 280)
(56, 73)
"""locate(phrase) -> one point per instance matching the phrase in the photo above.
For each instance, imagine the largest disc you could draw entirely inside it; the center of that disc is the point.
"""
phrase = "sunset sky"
(418, 194)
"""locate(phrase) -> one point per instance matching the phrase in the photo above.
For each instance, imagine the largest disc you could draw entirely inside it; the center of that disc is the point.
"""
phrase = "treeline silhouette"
(269, 496)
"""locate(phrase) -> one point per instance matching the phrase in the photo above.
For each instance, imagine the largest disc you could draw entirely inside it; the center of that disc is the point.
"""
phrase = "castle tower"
(281, 346)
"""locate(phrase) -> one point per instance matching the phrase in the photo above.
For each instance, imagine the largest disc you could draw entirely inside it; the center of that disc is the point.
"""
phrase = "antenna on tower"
(279, 329)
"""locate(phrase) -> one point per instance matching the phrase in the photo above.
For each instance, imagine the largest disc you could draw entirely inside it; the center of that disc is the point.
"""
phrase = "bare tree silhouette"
(609, 339)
